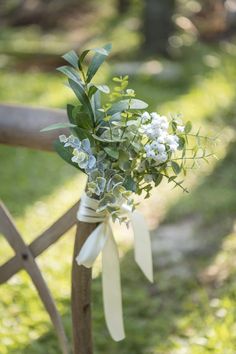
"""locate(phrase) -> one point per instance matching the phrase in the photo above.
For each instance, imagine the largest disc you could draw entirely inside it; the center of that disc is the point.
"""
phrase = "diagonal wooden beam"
(9, 230)
(41, 243)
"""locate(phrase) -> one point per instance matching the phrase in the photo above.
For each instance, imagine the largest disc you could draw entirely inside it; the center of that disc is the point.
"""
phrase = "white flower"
(161, 148)
(180, 128)
(130, 92)
(176, 138)
(147, 147)
(162, 157)
(164, 125)
(155, 116)
(172, 139)
(154, 145)
(150, 154)
(161, 139)
(173, 147)
(145, 117)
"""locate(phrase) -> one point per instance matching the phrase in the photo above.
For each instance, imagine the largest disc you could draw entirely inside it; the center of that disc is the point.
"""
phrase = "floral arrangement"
(123, 148)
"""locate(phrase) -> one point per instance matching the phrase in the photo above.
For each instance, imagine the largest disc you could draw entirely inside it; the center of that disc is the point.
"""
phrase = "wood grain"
(9, 230)
(21, 125)
(41, 243)
(81, 295)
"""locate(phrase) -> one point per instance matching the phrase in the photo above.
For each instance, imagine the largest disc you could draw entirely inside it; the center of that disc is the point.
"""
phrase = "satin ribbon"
(102, 240)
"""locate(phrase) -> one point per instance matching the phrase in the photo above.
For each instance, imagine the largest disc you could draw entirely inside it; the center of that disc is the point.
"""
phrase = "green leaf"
(124, 162)
(96, 104)
(97, 61)
(69, 109)
(158, 179)
(92, 91)
(123, 105)
(112, 152)
(175, 167)
(58, 126)
(84, 134)
(83, 120)
(71, 73)
(130, 184)
(82, 96)
(188, 127)
(82, 56)
(103, 88)
(72, 58)
(181, 143)
(64, 153)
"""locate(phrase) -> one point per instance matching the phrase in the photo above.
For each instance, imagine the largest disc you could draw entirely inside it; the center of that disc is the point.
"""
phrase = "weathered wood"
(81, 296)
(9, 230)
(41, 243)
(21, 125)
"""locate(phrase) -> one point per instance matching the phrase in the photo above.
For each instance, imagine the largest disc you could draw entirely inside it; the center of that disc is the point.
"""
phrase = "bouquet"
(123, 149)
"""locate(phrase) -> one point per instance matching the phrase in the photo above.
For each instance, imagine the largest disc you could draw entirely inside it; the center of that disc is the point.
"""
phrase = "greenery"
(175, 315)
(122, 149)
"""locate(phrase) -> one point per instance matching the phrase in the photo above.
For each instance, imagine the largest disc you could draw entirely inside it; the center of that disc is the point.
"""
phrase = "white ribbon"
(102, 240)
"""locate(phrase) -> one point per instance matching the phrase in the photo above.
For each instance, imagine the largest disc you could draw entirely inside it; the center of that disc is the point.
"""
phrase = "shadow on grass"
(27, 175)
(152, 313)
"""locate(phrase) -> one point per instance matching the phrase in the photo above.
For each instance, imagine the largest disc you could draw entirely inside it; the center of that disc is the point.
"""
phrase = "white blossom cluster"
(160, 142)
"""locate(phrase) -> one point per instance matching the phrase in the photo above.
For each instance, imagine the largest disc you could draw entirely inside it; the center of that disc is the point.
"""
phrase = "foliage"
(121, 148)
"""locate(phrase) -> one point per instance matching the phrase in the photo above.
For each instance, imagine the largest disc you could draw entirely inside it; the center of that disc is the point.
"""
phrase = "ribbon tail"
(142, 245)
(92, 247)
(112, 287)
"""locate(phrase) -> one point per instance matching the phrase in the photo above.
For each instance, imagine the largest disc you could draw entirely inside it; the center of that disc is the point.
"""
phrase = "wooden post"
(81, 295)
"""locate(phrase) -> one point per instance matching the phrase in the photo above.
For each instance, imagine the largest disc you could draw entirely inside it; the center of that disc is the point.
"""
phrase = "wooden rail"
(20, 126)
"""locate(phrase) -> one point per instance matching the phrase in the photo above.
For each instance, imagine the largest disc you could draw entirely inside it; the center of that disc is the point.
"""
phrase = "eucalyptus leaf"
(82, 56)
(96, 104)
(124, 105)
(175, 167)
(71, 73)
(130, 184)
(82, 119)
(58, 126)
(64, 153)
(112, 152)
(103, 88)
(92, 91)
(188, 127)
(82, 96)
(72, 58)
(97, 61)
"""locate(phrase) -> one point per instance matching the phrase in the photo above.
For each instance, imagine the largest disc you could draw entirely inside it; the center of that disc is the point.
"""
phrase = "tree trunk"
(123, 6)
(158, 25)
(81, 296)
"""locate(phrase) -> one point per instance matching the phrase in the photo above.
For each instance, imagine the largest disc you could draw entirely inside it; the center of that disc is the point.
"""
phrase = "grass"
(173, 316)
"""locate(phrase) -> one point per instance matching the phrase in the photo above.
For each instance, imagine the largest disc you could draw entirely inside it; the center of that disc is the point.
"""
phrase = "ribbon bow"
(102, 240)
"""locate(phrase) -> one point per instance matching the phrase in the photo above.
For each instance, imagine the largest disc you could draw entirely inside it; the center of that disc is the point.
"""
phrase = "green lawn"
(174, 315)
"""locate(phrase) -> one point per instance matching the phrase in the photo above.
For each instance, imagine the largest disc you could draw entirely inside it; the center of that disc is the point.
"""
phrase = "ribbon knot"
(102, 240)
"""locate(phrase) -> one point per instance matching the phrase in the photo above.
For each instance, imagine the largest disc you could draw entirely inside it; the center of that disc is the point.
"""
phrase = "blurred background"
(180, 57)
